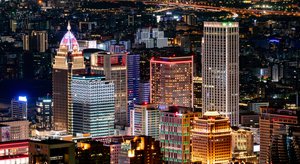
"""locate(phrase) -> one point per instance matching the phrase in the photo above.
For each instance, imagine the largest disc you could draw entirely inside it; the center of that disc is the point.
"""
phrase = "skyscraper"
(114, 67)
(220, 69)
(144, 91)
(211, 139)
(44, 114)
(19, 108)
(175, 134)
(68, 60)
(133, 74)
(269, 123)
(93, 106)
(144, 120)
(171, 81)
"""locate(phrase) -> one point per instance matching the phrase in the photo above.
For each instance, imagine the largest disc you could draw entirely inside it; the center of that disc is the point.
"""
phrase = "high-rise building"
(269, 120)
(285, 144)
(19, 108)
(37, 41)
(52, 151)
(151, 37)
(142, 149)
(144, 120)
(114, 67)
(93, 106)
(171, 81)
(197, 82)
(175, 134)
(144, 92)
(133, 74)
(68, 61)
(44, 114)
(220, 69)
(211, 139)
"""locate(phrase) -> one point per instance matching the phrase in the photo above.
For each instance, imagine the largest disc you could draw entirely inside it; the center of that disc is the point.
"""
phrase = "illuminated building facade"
(197, 82)
(93, 106)
(14, 152)
(19, 129)
(19, 108)
(142, 149)
(269, 121)
(114, 67)
(220, 69)
(92, 152)
(37, 41)
(171, 81)
(211, 139)
(144, 120)
(44, 114)
(242, 145)
(52, 151)
(133, 74)
(175, 134)
(144, 92)
(68, 61)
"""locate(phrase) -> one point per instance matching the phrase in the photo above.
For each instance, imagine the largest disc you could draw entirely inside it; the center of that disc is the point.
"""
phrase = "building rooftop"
(52, 141)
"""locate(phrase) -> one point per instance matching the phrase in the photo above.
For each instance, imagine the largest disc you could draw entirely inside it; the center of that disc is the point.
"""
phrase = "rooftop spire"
(69, 26)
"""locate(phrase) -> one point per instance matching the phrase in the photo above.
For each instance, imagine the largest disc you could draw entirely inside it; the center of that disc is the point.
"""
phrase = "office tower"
(175, 134)
(171, 81)
(144, 120)
(36, 41)
(211, 139)
(14, 152)
(19, 108)
(144, 92)
(51, 151)
(114, 67)
(133, 80)
(68, 61)
(242, 144)
(142, 149)
(269, 120)
(93, 105)
(220, 69)
(285, 144)
(151, 37)
(19, 129)
(197, 82)
(44, 114)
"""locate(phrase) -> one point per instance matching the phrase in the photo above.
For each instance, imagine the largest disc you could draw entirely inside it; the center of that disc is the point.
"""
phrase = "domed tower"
(68, 61)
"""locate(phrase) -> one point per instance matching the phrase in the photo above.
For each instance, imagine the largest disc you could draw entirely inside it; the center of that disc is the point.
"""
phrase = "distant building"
(68, 61)
(144, 92)
(255, 106)
(114, 67)
(151, 37)
(197, 90)
(142, 149)
(175, 134)
(19, 108)
(14, 152)
(93, 105)
(220, 69)
(37, 41)
(133, 78)
(269, 120)
(211, 139)
(44, 114)
(52, 151)
(144, 120)
(4, 133)
(171, 81)
(19, 129)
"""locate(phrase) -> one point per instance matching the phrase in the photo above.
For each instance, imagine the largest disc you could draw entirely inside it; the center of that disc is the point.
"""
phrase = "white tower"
(220, 69)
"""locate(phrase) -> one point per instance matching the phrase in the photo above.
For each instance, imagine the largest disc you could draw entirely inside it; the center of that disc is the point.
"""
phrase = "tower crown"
(69, 42)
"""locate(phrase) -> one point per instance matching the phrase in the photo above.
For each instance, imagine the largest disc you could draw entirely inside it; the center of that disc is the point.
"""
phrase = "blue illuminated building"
(19, 108)
(133, 74)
